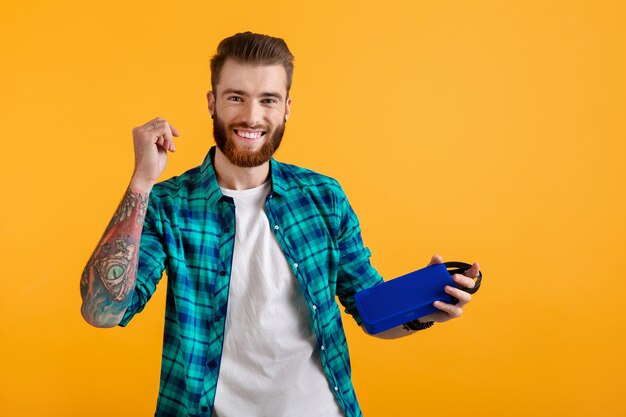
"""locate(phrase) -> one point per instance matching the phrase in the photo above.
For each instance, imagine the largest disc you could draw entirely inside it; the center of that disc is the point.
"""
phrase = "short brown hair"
(252, 48)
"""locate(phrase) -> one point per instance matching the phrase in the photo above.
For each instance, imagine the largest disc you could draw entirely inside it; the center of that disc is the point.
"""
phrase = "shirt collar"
(210, 184)
(279, 180)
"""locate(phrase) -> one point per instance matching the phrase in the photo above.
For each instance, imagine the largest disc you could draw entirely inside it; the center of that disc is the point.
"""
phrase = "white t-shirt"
(270, 361)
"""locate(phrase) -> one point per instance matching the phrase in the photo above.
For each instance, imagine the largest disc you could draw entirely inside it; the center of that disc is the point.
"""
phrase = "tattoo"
(405, 327)
(109, 276)
(84, 280)
(114, 265)
(125, 209)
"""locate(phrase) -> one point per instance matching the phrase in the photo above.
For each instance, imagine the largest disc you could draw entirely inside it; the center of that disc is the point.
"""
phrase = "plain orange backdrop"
(488, 131)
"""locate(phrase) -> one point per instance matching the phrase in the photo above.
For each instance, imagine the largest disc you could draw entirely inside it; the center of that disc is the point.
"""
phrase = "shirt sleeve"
(355, 272)
(151, 263)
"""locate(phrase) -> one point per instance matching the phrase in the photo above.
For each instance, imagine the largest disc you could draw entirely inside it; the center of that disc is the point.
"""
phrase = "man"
(255, 251)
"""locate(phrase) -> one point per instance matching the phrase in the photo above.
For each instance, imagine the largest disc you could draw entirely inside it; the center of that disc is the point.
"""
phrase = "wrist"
(140, 185)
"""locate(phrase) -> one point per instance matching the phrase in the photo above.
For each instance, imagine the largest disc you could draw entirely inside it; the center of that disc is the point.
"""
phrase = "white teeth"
(249, 135)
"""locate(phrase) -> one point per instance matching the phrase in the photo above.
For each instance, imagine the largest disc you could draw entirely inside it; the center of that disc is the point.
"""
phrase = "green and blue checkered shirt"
(189, 232)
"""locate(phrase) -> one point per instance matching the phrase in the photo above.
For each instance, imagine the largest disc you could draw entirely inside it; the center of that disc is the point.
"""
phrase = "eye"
(269, 101)
(234, 98)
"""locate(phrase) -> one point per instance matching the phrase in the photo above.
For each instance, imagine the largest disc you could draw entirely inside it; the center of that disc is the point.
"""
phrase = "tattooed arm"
(108, 281)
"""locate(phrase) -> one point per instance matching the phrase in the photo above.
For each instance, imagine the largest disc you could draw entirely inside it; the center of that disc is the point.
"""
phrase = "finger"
(167, 144)
(160, 141)
(464, 297)
(163, 128)
(156, 132)
(452, 310)
(158, 125)
(170, 145)
(466, 282)
(175, 131)
(473, 271)
(156, 120)
(171, 131)
(168, 136)
(436, 259)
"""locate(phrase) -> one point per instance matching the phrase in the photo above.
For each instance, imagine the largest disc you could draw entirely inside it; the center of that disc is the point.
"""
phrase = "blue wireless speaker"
(410, 296)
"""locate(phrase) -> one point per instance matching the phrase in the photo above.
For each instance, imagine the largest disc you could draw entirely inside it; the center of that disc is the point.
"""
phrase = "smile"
(249, 134)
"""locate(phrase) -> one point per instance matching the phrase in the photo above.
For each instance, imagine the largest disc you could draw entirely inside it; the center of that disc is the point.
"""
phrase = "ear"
(287, 108)
(211, 102)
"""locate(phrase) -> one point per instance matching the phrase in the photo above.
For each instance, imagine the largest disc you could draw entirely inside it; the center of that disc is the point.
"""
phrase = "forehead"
(252, 78)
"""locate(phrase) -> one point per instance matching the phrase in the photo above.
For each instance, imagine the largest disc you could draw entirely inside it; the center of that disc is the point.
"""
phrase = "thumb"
(436, 259)
(473, 271)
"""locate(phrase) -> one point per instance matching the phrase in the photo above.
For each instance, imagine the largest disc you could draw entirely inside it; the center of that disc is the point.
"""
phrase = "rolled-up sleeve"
(355, 271)
(151, 262)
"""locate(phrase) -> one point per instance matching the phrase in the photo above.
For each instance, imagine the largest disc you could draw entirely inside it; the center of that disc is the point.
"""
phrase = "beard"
(241, 157)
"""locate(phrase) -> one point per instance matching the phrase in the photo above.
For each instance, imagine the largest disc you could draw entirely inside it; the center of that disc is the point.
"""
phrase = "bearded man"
(255, 251)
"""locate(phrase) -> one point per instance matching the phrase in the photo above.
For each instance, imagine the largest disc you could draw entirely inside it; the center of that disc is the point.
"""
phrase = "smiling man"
(255, 251)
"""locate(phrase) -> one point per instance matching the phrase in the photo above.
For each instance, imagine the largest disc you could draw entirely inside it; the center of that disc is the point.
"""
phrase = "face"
(249, 108)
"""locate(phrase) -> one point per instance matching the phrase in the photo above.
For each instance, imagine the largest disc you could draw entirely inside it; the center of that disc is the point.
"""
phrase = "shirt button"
(222, 273)
(295, 265)
(227, 230)
(276, 227)
(205, 409)
(212, 364)
(322, 347)
(314, 307)
(216, 319)
(336, 388)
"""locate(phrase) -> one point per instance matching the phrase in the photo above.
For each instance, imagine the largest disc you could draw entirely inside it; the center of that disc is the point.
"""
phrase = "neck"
(233, 177)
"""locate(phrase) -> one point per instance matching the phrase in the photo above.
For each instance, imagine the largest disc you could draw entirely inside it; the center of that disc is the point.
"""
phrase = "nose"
(253, 114)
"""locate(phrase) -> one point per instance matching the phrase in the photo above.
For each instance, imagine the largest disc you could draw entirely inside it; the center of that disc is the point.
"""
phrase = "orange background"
(483, 130)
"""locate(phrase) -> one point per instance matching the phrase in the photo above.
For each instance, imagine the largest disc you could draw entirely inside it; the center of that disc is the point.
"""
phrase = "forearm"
(108, 281)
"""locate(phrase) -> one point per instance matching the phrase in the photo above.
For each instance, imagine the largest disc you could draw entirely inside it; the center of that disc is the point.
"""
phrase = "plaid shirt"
(189, 231)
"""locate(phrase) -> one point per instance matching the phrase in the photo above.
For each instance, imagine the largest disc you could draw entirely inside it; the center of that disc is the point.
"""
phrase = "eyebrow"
(243, 93)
